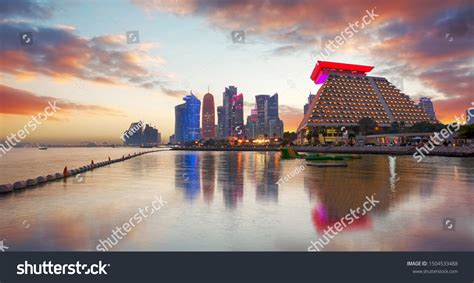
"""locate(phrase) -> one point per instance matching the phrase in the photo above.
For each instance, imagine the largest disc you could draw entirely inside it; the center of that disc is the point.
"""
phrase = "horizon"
(80, 58)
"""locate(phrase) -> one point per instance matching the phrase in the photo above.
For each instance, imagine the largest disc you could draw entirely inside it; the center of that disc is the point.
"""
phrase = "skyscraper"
(273, 124)
(228, 95)
(233, 113)
(237, 116)
(310, 98)
(133, 136)
(208, 117)
(179, 128)
(220, 122)
(187, 120)
(251, 126)
(268, 120)
(192, 123)
(151, 136)
(260, 101)
(470, 116)
(427, 105)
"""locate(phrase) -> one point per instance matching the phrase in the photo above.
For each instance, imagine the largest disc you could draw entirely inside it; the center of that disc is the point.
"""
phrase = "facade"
(470, 116)
(208, 117)
(228, 96)
(179, 128)
(151, 136)
(220, 122)
(260, 106)
(427, 105)
(187, 120)
(347, 95)
(251, 126)
(237, 117)
(273, 124)
(192, 130)
(310, 98)
(133, 136)
(232, 114)
(268, 121)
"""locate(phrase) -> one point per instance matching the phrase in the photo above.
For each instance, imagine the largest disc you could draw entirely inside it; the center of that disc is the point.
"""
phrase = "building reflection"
(188, 176)
(208, 175)
(231, 177)
(267, 169)
(335, 191)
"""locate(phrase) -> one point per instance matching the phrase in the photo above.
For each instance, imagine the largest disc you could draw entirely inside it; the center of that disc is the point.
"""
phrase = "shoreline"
(395, 150)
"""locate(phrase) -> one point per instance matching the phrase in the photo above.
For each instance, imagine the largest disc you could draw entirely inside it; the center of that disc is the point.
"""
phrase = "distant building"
(260, 106)
(470, 116)
(268, 121)
(208, 117)
(310, 99)
(151, 136)
(133, 136)
(172, 140)
(273, 124)
(427, 105)
(139, 135)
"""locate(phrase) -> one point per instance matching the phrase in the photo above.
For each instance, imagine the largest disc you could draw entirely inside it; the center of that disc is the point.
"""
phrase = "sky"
(80, 58)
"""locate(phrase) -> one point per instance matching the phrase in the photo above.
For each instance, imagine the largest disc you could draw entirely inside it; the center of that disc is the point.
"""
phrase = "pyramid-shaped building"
(348, 94)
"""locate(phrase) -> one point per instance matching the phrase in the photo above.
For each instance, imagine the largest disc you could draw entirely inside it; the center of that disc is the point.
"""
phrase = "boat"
(324, 157)
(42, 148)
(327, 164)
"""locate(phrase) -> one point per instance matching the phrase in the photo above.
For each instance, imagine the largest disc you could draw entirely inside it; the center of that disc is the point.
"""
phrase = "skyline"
(80, 58)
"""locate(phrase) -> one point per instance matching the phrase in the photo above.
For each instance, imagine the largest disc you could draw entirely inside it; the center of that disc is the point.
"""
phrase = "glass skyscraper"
(187, 120)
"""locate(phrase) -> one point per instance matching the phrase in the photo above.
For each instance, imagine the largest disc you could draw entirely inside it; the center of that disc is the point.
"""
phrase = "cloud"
(20, 102)
(24, 8)
(59, 53)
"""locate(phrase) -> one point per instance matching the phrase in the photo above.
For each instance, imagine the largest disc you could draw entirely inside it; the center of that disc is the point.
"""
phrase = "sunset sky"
(80, 57)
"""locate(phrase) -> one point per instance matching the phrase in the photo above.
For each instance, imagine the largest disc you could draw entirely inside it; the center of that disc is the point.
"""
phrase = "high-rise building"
(470, 116)
(347, 95)
(260, 106)
(237, 116)
(251, 126)
(179, 126)
(220, 122)
(208, 117)
(133, 136)
(310, 98)
(268, 121)
(151, 136)
(273, 124)
(233, 113)
(187, 120)
(427, 105)
(192, 118)
(228, 96)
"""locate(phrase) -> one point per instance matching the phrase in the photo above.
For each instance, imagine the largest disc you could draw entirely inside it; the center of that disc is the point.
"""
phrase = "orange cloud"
(20, 102)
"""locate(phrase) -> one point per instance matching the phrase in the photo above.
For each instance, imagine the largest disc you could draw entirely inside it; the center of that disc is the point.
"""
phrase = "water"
(228, 201)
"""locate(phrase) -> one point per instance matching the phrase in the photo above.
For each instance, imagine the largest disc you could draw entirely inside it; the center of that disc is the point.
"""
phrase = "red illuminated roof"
(317, 71)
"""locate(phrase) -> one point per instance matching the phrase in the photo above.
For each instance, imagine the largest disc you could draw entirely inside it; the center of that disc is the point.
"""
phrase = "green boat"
(324, 157)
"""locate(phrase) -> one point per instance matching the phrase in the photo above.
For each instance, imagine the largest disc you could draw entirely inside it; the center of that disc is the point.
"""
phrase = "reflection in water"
(414, 199)
(188, 174)
(267, 170)
(392, 163)
(208, 174)
(231, 178)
